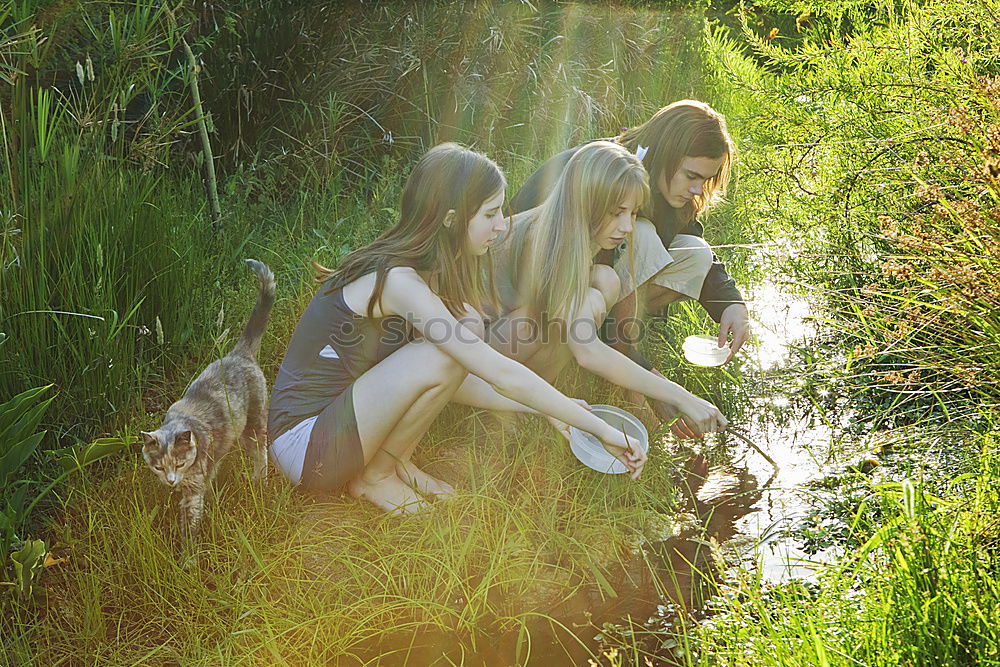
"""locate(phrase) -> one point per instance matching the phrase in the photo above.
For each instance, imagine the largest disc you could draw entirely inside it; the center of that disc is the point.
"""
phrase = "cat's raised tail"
(249, 343)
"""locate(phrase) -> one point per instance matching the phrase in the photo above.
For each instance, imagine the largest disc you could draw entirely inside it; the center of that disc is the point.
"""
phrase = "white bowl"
(702, 350)
(592, 453)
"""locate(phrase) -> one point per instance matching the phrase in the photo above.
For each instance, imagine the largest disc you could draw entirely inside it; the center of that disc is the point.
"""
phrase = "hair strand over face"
(686, 128)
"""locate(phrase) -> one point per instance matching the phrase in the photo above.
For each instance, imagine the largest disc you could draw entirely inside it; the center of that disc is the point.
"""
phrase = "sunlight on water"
(801, 445)
(801, 450)
(780, 319)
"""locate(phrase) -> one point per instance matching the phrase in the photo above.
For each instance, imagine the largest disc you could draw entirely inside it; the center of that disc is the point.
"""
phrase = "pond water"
(800, 444)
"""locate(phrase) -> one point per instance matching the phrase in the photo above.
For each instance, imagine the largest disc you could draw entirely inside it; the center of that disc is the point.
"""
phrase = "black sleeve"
(694, 228)
(719, 291)
(534, 190)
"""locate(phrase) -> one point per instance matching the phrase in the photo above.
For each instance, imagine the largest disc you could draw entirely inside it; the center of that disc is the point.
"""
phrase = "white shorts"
(288, 451)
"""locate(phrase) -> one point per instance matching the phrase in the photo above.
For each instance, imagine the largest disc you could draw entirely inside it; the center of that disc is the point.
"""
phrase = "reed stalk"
(206, 145)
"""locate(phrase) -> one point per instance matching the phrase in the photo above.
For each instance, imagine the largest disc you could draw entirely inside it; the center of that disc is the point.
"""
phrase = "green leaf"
(602, 582)
(19, 419)
(78, 457)
(21, 426)
(27, 563)
(16, 455)
(17, 403)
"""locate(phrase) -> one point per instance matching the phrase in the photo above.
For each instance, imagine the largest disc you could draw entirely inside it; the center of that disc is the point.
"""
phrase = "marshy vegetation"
(866, 183)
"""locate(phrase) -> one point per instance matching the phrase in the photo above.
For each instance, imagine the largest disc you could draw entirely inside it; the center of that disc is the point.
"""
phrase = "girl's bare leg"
(549, 358)
(519, 337)
(415, 423)
(658, 297)
(516, 336)
(655, 298)
(395, 403)
(405, 468)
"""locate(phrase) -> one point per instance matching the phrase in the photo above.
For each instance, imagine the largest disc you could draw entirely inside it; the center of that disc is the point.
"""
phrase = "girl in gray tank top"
(391, 338)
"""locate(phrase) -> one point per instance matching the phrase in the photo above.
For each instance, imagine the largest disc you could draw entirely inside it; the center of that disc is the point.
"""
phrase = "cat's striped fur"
(226, 404)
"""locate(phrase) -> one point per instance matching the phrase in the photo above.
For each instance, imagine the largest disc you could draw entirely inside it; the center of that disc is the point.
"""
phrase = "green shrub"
(19, 438)
(871, 173)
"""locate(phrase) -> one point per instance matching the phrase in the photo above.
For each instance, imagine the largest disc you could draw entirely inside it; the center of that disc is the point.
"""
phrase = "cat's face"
(169, 454)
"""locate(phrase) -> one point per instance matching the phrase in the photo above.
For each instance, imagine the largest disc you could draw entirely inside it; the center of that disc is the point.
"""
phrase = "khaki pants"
(682, 268)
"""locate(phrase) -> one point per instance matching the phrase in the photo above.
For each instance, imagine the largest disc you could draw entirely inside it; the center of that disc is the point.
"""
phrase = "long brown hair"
(686, 128)
(594, 183)
(447, 178)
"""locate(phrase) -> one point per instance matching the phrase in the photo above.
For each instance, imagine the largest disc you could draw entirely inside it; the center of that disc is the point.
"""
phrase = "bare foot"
(389, 493)
(422, 482)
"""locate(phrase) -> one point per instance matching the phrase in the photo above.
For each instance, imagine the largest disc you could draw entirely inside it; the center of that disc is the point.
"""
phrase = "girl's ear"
(449, 218)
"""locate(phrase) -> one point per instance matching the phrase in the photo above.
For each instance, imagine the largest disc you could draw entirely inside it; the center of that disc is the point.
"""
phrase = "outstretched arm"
(407, 295)
(478, 393)
(596, 356)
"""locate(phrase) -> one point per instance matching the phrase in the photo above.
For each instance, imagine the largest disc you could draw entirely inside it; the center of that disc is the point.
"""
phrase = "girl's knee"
(516, 335)
(605, 279)
(436, 366)
(694, 252)
(597, 305)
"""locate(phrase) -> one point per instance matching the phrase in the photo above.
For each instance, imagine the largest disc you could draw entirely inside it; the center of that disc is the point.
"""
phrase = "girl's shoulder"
(404, 276)
(403, 282)
(399, 282)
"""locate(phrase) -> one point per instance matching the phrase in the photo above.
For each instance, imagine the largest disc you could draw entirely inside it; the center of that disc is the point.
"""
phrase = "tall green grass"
(291, 579)
(97, 242)
(339, 90)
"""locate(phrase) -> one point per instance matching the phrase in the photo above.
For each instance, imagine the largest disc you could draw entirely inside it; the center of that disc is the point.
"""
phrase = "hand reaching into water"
(669, 414)
(701, 417)
(735, 321)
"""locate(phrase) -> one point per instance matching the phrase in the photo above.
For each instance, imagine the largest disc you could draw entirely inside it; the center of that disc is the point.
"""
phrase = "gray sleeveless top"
(331, 347)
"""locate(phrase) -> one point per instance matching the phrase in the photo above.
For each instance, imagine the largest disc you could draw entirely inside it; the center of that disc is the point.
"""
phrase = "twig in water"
(742, 436)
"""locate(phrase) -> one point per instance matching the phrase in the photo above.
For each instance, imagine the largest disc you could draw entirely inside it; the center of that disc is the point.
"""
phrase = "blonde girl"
(554, 297)
(390, 338)
(688, 152)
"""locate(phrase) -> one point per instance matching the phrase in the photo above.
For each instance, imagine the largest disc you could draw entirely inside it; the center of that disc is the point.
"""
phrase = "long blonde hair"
(448, 177)
(686, 128)
(559, 253)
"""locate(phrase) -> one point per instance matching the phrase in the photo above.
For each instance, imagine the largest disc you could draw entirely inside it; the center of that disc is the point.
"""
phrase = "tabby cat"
(225, 404)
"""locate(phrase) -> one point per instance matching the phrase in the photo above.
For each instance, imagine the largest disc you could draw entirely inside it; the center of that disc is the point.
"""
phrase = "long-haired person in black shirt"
(688, 153)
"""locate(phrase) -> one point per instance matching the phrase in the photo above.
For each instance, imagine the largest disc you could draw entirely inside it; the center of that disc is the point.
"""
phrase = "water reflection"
(780, 319)
(801, 445)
